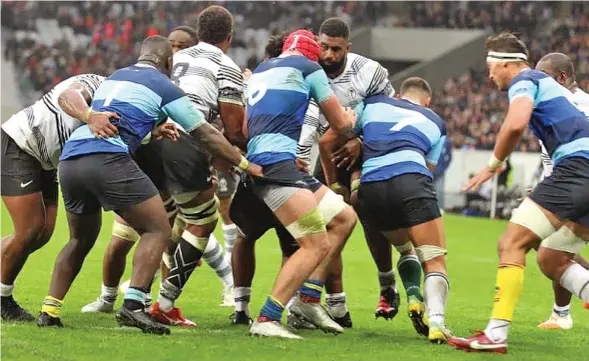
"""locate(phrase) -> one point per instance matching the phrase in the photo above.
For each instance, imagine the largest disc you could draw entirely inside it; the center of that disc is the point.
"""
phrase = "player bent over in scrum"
(99, 172)
(560, 67)
(556, 214)
(403, 140)
(32, 141)
(277, 98)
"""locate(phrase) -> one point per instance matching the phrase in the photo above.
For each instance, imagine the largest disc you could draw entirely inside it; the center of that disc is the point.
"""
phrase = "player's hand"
(350, 115)
(100, 125)
(166, 130)
(348, 154)
(302, 165)
(483, 176)
(246, 75)
(254, 170)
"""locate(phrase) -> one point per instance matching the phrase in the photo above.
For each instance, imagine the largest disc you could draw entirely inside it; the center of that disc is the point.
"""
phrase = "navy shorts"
(566, 191)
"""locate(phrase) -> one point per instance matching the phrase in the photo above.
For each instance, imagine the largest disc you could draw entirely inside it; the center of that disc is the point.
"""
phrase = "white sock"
(166, 304)
(497, 330)
(576, 280)
(213, 256)
(336, 304)
(229, 235)
(290, 303)
(108, 294)
(242, 299)
(563, 311)
(436, 287)
(6, 290)
(386, 280)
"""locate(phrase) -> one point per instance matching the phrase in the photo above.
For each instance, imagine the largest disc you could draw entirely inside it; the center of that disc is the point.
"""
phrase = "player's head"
(559, 66)
(275, 43)
(334, 35)
(506, 57)
(303, 42)
(416, 89)
(157, 51)
(182, 37)
(215, 26)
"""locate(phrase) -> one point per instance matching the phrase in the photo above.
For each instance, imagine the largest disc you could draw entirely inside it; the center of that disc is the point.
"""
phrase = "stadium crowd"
(471, 105)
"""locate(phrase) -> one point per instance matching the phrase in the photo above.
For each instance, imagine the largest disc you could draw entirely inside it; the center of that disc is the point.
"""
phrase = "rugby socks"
(336, 304)
(510, 280)
(52, 306)
(271, 311)
(436, 287)
(311, 291)
(386, 280)
(6, 290)
(215, 258)
(242, 299)
(561, 311)
(410, 273)
(108, 294)
(576, 280)
(186, 256)
(135, 298)
(229, 235)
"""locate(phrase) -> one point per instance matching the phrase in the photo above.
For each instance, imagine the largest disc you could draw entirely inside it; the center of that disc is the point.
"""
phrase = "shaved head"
(559, 66)
(156, 50)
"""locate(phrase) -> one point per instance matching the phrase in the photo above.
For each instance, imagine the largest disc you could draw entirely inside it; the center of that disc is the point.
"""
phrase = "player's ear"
(428, 101)
(349, 47)
(170, 65)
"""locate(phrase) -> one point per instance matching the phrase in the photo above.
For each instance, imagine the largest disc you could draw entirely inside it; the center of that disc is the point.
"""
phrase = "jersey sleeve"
(522, 88)
(375, 80)
(433, 155)
(319, 86)
(309, 132)
(90, 82)
(230, 82)
(359, 110)
(177, 106)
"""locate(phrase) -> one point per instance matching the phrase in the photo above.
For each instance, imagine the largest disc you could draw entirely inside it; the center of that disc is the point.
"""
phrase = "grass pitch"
(472, 261)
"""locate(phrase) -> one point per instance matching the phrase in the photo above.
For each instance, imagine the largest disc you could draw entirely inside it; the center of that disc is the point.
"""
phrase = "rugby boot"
(44, 320)
(11, 311)
(240, 318)
(345, 321)
(586, 305)
(173, 317)
(141, 320)
(99, 305)
(298, 323)
(269, 328)
(418, 316)
(439, 333)
(315, 314)
(479, 342)
(388, 306)
(557, 322)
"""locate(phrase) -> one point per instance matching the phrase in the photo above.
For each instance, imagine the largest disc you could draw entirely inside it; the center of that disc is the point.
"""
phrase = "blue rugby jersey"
(143, 98)
(400, 137)
(556, 121)
(278, 96)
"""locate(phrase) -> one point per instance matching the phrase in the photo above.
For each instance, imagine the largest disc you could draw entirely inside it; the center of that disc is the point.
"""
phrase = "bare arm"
(516, 121)
(327, 143)
(216, 144)
(232, 116)
(340, 120)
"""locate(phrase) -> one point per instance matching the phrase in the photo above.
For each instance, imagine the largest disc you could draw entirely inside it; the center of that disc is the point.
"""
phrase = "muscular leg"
(244, 268)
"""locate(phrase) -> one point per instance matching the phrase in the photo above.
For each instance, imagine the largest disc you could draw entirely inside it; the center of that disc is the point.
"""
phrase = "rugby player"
(214, 85)
(340, 219)
(402, 142)
(556, 213)
(277, 97)
(353, 78)
(32, 141)
(560, 67)
(99, 173)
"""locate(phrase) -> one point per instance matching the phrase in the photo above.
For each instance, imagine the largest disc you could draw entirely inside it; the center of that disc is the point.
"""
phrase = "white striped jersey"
(209, 77)
(361, 78)
(43, 128)
(581, 100)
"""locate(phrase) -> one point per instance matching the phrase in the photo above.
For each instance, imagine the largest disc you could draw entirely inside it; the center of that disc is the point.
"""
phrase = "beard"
(333, 68)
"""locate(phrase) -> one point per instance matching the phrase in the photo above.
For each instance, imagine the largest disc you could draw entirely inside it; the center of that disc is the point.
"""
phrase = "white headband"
(498, 57)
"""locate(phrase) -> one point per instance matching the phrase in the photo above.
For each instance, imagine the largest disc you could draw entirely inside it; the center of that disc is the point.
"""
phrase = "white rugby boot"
(100, 305)
(556, 322)
(228, 297)
(315, 314)
(272, 329)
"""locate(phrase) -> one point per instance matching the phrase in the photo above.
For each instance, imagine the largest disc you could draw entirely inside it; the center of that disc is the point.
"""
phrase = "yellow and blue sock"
(271, 311)
(52, 306)
(311, 291)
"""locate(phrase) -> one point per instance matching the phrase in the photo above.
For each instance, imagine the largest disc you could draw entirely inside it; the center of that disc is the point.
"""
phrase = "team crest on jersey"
(352, 93)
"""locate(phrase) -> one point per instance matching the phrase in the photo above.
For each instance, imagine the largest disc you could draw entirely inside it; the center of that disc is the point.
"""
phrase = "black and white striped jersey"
(209, 77)
(43, 128)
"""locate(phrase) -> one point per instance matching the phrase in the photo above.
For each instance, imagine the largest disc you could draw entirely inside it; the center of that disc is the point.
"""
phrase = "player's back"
(400, 137)
(556, 120)
(137, 94)
(278, 96)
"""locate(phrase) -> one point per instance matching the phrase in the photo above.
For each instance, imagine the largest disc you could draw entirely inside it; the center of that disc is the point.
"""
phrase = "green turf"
(471, 261)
